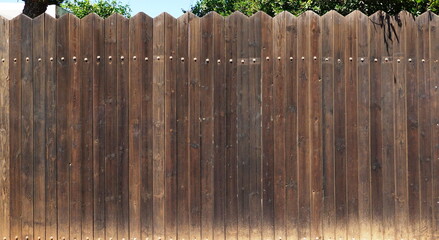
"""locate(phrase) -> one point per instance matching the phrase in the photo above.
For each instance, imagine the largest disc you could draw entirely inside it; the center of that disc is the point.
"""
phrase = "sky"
(152, 7)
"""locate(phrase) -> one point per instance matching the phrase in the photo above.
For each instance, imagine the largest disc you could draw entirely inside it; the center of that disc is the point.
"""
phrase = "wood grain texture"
(122, 113)
(255, 124)
(315, 121)
(98, 129)
(50, 56)
(219, 115)
(75, 130)
(5, 167)
(219, 127)
(434, 81)
(412, 124)
(267, 127)
(170, 118)
(111, 60)
(158, 117)
(15, 126)
(402, 60)
(388, 123)
(146, 190)
(278, 111)
(340, 61)
(63, 138)
(376, 158)
(328, 161)
(39, 121)
(182, 95)
(27, 131)
(351, 75)
(136, 52)
(231, 216)
(303, 129)
(291, 95)
(86, 62)
(207, 63)
(364, 123)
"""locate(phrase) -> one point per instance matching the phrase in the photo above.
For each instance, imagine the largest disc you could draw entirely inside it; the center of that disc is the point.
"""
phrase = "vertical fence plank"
(412, 124)
(147, 157)
(255, 124)
(388, 120)
(340, 125)
(207, 124)
(136, 49)
(122, 128)
(419, 189)
(364, 154)
(39, 122)
(194, 126)
(75, 130)
(158, 111)
(110, 100)
(243, 128)
(231, 128)
(15, 125)
(304, 171)
(5, 179)
(327, 33)
(49, 55)
(376, 35)
(27, 131)
(267, 127)
(279, 104)
(220, 108)
(402, 60)
(351, 82)
(182, 92)
(291, 88)
(170, 118)
(63, 140)
(434, 81)
(98, 129)
(315, 120)
(86, 62)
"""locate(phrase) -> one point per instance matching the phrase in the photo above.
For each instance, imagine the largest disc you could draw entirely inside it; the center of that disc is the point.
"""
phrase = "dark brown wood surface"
(292, 127)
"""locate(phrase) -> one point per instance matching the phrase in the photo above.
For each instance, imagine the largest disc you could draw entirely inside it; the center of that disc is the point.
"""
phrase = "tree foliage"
(272, 7)
(103, 8)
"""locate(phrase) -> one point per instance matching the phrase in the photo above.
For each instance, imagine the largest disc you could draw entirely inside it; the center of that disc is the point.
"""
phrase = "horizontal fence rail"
(292, 127)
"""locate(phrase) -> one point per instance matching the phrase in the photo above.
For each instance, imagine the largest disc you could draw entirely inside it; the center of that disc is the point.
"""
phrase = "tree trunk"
(34, 8)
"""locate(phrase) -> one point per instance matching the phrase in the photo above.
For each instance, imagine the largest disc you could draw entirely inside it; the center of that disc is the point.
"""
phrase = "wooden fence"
(241, 127)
